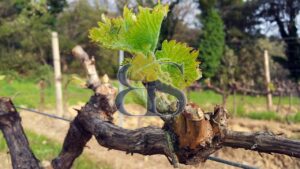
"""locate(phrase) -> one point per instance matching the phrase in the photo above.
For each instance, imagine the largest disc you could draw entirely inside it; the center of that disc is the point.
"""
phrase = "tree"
(211, 42)
(25, 43)
(56, 6)
(24, 36)
(235, 14)
(225, 78)
(176, 26)
(73, 24)
(284, 14)
(167, 29)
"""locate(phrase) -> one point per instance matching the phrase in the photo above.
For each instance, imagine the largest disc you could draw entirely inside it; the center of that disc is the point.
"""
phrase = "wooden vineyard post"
(268, 79)
(42, 86)
(207, 131)
(121, 59)
(58, 76)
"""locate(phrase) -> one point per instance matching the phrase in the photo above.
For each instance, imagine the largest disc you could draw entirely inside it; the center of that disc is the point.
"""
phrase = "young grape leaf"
(144, 68)
(183, 55)
(138, 35)
(133, 33)
(75, 79)
(2, 77)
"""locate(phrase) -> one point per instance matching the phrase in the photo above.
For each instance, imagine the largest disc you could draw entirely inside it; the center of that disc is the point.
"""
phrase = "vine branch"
(195, 134)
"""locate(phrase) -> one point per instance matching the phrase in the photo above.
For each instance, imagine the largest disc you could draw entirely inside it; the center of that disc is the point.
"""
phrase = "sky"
(190, 17)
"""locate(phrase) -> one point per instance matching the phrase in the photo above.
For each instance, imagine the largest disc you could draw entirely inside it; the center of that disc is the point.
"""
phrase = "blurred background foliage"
(230, 34)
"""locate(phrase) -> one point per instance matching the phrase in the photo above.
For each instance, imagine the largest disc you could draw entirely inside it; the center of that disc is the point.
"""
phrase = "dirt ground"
(56, 130)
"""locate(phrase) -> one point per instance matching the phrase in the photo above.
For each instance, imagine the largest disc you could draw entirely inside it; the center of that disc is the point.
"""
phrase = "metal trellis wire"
(212, 158)
(43, 114)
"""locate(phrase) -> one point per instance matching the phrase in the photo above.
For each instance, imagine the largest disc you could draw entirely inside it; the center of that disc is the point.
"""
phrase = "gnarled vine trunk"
(188, 139)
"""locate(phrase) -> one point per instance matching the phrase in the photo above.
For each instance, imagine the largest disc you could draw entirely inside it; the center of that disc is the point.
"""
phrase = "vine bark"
(189, 139)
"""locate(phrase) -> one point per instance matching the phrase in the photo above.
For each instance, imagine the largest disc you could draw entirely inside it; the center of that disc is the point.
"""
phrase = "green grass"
(268, 115)
(47, 149)
(27, 93)
(240, 111)
(210, 97)
(297, 117)
(246, 105)
(205, 97)
(294, 118)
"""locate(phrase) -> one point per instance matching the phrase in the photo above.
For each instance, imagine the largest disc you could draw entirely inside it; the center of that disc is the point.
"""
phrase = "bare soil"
(56, 130)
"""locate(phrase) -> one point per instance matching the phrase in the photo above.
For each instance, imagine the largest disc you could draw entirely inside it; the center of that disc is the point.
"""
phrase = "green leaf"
(2, 77)
(144, 68)
(138, 35)
(183, 55)
(133, 33)
(75, 79)
(212, 43)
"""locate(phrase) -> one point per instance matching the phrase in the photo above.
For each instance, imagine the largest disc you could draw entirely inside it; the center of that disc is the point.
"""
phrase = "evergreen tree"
(56, 6)
(211, 42)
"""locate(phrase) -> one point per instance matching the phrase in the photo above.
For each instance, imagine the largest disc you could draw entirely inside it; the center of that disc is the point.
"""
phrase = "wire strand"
(239, 165)
(44, 114)
(212, 158)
